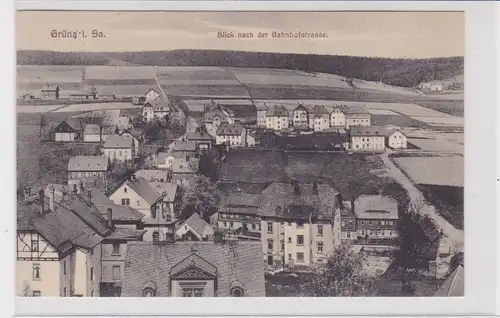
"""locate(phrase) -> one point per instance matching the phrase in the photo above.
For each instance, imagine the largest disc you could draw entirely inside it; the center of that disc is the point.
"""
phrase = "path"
(453, 238)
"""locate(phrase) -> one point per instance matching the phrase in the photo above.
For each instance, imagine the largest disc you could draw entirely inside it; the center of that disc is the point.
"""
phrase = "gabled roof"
(277, 111)
(50, 89)
(240, 203)
(94, 129)
(318, 110)
(353, 109)
(88, 163)
(184, 145)
(126, 234)
(369, 131)
(87, 212)
(223, 114)
(240, 264)
(158, 103)
(198, 136)
(200, 226)
(453, 286)
(118, 141)
(152, 174)
(301, 107)
(390, 131)
(226, 129)
(376, 207)
(143, 189)
(120, 212)
(75, 123)
(167, 188)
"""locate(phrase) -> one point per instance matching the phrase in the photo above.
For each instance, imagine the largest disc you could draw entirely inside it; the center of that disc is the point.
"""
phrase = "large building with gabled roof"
(88, 172)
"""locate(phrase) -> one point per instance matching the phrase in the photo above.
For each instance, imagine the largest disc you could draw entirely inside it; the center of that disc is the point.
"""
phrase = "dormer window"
(237, 292)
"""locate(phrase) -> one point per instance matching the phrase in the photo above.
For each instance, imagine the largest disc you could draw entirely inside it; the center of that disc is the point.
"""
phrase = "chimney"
(110, 218)
(51, 198)
(315, 188)
(41, 198)
(352, 205)
(89, 194)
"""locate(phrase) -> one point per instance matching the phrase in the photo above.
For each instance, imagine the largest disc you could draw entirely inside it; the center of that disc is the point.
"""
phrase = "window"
(153, 211)
(91, 251)
(300, 225)
(300, 239)
(236, 292)
(348, 234)
(192, 292)
(289, 256)
(34, 245)
(64, 267)
(320, 229)
(64, 292)
(320, 247)
(289, 240)
(269, 227)
(37, 293)
(253, 226)
(389, 222)
(231, 224)
(125, 190)
(138, 203)
(92, 293)
(300, 257)
(36, 271)
(270, 245)
(125, 201)
(92, 274)
(156, 236)
(148, 292)
(282, 245)
(225, 224)
(116, 249)
(116, 272)
(362, 222)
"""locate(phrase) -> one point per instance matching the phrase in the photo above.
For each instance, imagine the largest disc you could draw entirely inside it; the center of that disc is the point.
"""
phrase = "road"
(453, 238)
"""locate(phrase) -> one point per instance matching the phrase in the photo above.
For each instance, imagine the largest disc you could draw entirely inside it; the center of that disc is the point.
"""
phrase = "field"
(21, 109)
(397, 120)
(449, 202)
(435, 170)
(119, 73)
(351, 175)
(214, 91)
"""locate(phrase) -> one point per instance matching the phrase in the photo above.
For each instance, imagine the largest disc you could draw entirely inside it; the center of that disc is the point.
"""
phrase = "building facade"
(119, 148)
(395, 139)
(277, 118)
(233, 135)
(88, 171)
(367, 138)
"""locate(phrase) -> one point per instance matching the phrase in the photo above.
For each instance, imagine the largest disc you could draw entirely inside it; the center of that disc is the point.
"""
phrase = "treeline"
(400, 72)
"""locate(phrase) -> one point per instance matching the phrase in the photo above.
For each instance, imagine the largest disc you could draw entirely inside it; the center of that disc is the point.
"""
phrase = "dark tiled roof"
(223, 114)
(181, 145)
(281, 199)
(277, 111)
(376, 207)
(94, 129)
(453, 286)
(120, 212)
(167, 188)
(199, 136)
(240, 203)
(118, 141)
(367, 131)
(143, 189)
(318, 110)
(88, 163)
(236, 264)
(226, 129)
(88, 213)
(126, 234)
(354, 109)
(152, 175)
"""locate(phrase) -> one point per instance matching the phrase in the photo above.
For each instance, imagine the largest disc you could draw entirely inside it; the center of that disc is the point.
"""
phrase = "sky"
(376, 34)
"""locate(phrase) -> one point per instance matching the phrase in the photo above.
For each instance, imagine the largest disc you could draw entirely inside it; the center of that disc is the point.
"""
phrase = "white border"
(479, 191)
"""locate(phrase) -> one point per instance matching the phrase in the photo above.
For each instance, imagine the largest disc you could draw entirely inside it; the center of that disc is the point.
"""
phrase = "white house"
(137, 136)
(194, 229)
(319, 118)
(367, 138)
(349, 115)
(214, 118)
(300, 117)
(69, 130)
(155, 109)
(96, 133)
(395, 139)
(277, 117)
(119, 147)
(233, 135)
(261, 115)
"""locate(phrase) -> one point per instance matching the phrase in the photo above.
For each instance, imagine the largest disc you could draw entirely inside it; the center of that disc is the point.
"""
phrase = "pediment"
(192, 272)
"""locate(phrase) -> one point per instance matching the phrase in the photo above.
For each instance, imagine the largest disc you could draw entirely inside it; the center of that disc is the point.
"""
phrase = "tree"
(43, 124)
(342, 275)
(210, 161)
(410, 255)
(154, 130)
(200, 196)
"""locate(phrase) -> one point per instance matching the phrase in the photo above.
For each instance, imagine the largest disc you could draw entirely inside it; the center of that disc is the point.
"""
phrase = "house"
(300, 117)
(89, 171)
(367, 138)
(138, 137)
(233, 135)
(97, 133)
(214, 118)
(151, 95)
(253, 139)
(69, 130)
(119, 148)
(82, 96)
(62, 247)
(345, 116)
(454, 284)
(376, 217)
(201, 139)
(277, 117)
(181, 165)
(158, 202)
(139, 100)
(194, 229)
(299, 223)
(395, 139)
(194, 269)
(50, 93)
(261, 115)
(157, 108)
(27, 96)
(184, 146)
(319, 118)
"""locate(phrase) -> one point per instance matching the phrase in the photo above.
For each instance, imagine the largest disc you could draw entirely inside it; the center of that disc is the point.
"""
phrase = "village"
(242, 203)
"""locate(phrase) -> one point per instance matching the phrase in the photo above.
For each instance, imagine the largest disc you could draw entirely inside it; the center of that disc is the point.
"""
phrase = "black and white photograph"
(240, 154)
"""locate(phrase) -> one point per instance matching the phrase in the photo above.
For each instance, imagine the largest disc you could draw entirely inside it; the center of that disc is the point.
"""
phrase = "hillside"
(399, 72)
